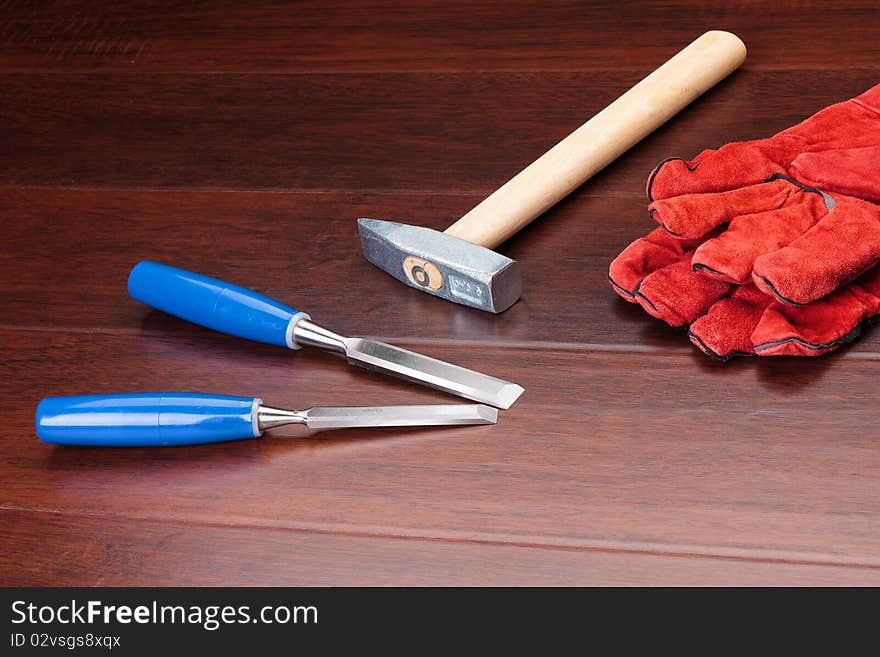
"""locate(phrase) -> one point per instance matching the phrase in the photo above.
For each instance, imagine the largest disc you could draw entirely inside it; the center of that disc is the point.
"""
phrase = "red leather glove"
(736, 216)
(808, 152)
(725, 320)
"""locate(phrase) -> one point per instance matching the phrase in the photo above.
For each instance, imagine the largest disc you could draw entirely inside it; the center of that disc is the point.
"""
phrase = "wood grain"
(70, 251)
(407, 132)
(611, 454)
(393, 35)
(68, 550)
(243, 140)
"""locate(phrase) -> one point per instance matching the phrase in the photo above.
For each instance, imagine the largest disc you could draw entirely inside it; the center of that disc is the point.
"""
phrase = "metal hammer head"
(442, 265)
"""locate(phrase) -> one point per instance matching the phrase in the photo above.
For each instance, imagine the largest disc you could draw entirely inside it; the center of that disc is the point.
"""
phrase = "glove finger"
(726, 329)
(731, 166)
(731, 256)
(677, 294)
(851, 167)
(850, 171)
(821, 326)
(692, 216)
(644, 256)
(841, 246)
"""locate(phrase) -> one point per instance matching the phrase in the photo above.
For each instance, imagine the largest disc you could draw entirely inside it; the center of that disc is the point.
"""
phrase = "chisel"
(148, 419)
(244, 313)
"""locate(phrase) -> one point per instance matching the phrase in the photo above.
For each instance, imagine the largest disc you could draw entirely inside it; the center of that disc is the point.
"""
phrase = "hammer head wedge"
(442, 265)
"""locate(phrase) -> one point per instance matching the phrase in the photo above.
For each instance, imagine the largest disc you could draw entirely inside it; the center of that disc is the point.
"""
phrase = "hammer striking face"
(442, 265)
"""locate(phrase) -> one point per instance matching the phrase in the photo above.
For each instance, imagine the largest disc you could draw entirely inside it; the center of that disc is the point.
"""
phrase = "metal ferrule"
(269, 418)
(309, 333)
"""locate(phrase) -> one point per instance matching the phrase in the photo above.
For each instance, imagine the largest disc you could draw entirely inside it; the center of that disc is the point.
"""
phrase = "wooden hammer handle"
(598, 142)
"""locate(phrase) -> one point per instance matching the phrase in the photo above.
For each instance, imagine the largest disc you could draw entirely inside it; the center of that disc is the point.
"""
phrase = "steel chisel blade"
(339, 417)
(435, 373)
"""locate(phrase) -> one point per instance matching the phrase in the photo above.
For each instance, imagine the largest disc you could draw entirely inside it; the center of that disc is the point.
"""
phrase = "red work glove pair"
(767, 247)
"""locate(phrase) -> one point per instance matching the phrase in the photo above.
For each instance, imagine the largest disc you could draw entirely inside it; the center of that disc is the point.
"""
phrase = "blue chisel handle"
(214, 303)
(146, 419)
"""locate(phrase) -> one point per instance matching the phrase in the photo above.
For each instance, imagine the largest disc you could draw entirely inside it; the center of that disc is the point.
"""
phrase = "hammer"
(459, 263)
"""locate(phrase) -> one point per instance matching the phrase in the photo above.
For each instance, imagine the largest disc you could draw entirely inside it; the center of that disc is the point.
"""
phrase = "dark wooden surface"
(243, 139)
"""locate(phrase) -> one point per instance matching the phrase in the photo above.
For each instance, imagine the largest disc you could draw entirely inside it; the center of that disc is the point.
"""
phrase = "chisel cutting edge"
(149, 419)
(247, 314)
